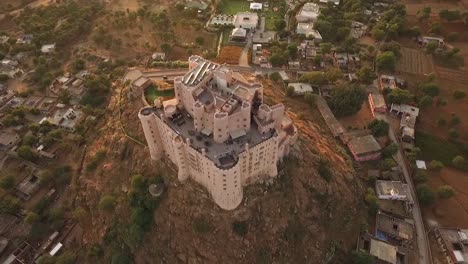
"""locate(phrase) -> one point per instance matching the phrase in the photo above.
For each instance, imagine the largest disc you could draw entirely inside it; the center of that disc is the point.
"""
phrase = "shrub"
(436, 165)
(26, 153)
(31, 218)
(431, 89)
(372, 201)
(425, 101)
(275, 76)
(107, 203)
(310, 98)
(453, 134)
(458, 94)
(378, 128)
(388, 163)
(455, 120)
(441, 122)
(445, 192)
(290, 91)
(7, 182)
(240, 228)
(324, 170)
(459, 162)
(202, 226)
(420, 176)
(425, 194)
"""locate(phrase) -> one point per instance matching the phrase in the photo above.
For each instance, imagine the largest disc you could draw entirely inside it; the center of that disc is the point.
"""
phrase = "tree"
(425, 13)
(200, 40)
(453, 134)
(310, 98)
(390, 150)
(361, 257)
(278, 59)
(366, 75)
(430, 89)
(459, 162)
(78, 65)
(275, 76)
(399, 96)
(388, 163)
(290, 91)
(445, 192)
(280, 25)
(431, 47)
(425, 101)
(107, 203)
(240, 228)
(450, 15)
(166, 48)
(26, 153)
(436, 165)
(425, 194)
(372, 201)
(455, 120)
(386, 61)
(346, 101)
(459, 94)
(31, 218)
(325, 47)
(420, 176)
(9, 205)
(314, 78)
(7, 182)
(378, 34)
(292, 51)
(79, 214)
(378, 128)
(333, 74)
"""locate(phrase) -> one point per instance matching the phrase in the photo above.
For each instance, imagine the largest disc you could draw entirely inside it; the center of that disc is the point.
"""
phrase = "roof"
(393, 189)
(378, 99)
(301, 87)
(141, 81)
(6, 138)
(48, 48)
(456, 242)
(56, 249)
(238, 32)
(408, 109)
(396, 227)
(284, 76)
(365, 144)
(246, 18)
(256, 6)
(198, 4)
(383, 251)
(336, 2)
(310, 11)
(421, 164)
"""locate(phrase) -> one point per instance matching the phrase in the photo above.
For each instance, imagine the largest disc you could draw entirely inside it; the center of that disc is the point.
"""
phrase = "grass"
(231, 7)
(434, 148)
(152, 92)
(226, 34)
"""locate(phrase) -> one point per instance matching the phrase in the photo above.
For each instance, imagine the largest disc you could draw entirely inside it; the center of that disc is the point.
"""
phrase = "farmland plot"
(415, 62)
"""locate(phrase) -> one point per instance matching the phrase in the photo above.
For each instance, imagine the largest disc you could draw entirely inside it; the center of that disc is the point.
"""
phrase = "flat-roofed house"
(307, 29)
(246, 20)
(238, 35)
(301, 88)
(364, 148)
(393, 229)
(256, 6)
(8, 140)
(454, 244)
(308, 13)
(376, 103)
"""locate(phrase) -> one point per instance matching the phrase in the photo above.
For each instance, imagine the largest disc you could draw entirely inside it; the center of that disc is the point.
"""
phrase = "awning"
(237, 133)
(206, 131)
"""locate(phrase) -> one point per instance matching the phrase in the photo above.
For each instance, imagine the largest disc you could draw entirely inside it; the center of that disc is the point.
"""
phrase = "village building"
(335, 127)
(424, 40)
(66, 119)
(454, 244)
(395, 230)
(358, 29)
(301, 88)
(256, 7)
(395, 191)
(325, 2)
(246, 20)
(27, 187)
(138, 86)
(307, 29)
(197, 4)
(384, 252)
(376, 102)
(294, 65)
(308, 13)
(263, 37)
(238, 35)
(158, 56)
(222, 20)
(49, 48)
(25, 39)
(218, 131)
(364, 148)
(8, 140)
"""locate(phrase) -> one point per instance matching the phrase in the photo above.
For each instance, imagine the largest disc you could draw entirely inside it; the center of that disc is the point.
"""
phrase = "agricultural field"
(229, 55)
(415, 61)
(459, 76)
(231, 7)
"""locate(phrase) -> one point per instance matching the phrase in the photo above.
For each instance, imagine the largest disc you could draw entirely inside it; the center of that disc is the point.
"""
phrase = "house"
(308, 50)
(238, 35)
(340, 60)
(25, 39)
(294, 65)
(197, 4)
(395, 230)
(358, 29)
(424, 40)
(66, 119)
(158, 56)
(376, 101)
(387, 82)
(325, 2)
(284, 76)
(222, 20)
(256, 6)
(383, 252)
(265, 38)
(404, 109)
(4, 39)
(27, 187)
(139, 85)
(8, 140)
(395, 191)
(308, 13)
(307, 29)
(49, 48)
(454, 244)
(301, 88)
(364, 148)
(246, 20)
(409, 115)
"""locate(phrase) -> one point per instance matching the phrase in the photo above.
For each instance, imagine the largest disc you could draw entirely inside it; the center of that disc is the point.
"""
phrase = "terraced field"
(415, 61)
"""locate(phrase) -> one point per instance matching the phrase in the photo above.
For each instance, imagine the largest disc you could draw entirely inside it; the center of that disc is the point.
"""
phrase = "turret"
(148, 117)
(198, 110)
(220, 127)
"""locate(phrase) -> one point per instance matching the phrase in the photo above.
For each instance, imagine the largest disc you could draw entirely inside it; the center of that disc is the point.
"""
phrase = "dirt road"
(31, 5)
(423, 245)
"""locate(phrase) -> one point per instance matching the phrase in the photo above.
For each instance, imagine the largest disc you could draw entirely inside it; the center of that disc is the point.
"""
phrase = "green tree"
(372, 201)
(425, 101)
(436, 165)
(314, 78)
(445, 192)
(450, 15)
(453, 134)
(455, 120)
(275, 76)
(361, 257)
(26, 153)
(386, 61)
(325, 47)
(310, 98)
(292, 51)
(425, 13)
(378, 34)
(399, 96)
(7, 182)
(378, 128)
(280, 25)
(388, 163)
(290, 91)
(31, 218)
(430, 89)
(431, 47)
(425, 194)
(366, 75)
(332, 75)
(459, 162)
(200, 40)
(459, 94)
(9, 205)
(278, 59)
(347, 101)
(420, 176)
(107, 203)
(390, 150)
(166, 48)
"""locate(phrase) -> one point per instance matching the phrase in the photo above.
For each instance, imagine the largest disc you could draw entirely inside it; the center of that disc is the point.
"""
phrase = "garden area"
(231, 7)
(274, 13)
(152, 92)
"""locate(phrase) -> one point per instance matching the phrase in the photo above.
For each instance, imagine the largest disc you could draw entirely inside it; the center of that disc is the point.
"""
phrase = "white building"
(308, 13)
(218, 131)
(301, 88)
(256, 6)
(335, 2)
(246, 20)
(49, 48)
(308, 30)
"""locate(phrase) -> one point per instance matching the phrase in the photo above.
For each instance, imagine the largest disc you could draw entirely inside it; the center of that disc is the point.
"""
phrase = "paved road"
(423, 245)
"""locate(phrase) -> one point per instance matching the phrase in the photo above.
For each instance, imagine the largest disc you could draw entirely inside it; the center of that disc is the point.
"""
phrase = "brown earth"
(452, 212)
(229, 55)
(324, 217)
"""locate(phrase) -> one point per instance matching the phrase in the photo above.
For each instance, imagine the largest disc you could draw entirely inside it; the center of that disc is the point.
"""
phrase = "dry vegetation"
(229, 55)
